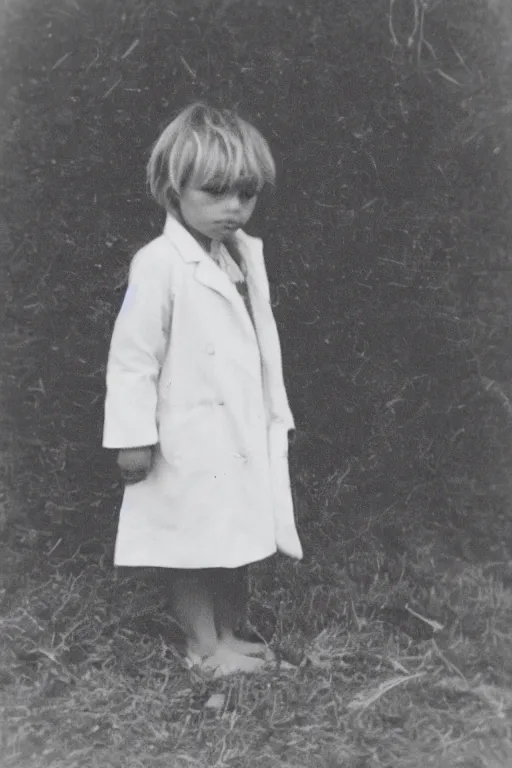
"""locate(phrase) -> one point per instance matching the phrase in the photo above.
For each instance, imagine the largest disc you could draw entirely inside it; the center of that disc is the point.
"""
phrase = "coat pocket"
(190, 434)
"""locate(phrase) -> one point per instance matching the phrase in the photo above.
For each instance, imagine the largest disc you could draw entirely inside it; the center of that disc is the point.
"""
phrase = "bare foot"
(246, 648)
(227, 662)
(195, 652)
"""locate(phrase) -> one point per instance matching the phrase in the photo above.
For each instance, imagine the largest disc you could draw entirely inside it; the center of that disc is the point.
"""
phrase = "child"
(195, 403)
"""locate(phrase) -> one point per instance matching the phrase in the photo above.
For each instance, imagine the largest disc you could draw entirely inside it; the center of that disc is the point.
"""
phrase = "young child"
(195, 403)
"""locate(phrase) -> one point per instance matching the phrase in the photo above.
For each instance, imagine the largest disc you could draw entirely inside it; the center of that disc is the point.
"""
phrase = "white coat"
(187, 373)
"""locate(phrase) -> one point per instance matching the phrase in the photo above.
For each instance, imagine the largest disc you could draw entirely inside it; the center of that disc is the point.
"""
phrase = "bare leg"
(230, 587)
(193, 592)
(230, 597)
(193, 606)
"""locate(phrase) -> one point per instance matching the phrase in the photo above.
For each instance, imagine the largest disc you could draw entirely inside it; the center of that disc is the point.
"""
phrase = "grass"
(388, 247)
(401, 668)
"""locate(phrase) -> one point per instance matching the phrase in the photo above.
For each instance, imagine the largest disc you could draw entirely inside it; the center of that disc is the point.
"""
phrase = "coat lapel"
(253, 267)
(209, 274)
(251, 252)
(206, 271)
(252, 264)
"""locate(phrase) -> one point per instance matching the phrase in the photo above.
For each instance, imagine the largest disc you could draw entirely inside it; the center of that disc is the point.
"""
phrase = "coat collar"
(207, 271)
(187, 245)
(190, 249)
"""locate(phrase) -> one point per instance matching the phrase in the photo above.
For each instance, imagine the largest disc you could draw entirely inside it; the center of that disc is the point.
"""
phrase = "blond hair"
(207, 146)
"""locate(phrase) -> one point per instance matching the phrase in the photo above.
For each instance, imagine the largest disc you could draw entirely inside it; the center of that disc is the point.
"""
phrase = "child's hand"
(134, 464)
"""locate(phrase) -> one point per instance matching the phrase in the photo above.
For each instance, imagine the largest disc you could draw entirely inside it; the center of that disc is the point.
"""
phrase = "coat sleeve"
(137, 351)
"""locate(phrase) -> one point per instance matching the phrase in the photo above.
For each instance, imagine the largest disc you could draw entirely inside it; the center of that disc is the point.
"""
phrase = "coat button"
(210, 349)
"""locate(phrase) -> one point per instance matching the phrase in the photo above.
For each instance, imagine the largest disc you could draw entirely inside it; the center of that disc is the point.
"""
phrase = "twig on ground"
(187, 66)
(361, 702)
(448, 663)
(390, 24)
(112, 87)
(130, 49)
(494, 388)
(449, 78)
(96, 57)
(423, 40)
(412, 36)
(60, 61)
(436, 626)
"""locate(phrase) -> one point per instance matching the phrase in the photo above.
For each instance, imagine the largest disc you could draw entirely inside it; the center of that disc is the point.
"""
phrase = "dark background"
(387, 241)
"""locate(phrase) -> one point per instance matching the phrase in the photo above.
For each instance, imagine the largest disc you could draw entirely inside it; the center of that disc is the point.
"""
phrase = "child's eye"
(245, 192)
(248, 193)
(214, 190)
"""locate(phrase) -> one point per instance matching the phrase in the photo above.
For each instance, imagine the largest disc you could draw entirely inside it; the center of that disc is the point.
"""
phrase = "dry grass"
(91, 676)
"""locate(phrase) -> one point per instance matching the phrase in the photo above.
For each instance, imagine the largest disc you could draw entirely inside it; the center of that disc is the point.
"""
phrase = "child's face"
(215, 212)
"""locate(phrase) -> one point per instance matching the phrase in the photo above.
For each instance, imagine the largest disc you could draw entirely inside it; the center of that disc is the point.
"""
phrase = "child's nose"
(234, 203)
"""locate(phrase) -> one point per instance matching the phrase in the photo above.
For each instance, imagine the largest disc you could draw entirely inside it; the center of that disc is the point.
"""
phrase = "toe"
(247, 648)
(226, 662)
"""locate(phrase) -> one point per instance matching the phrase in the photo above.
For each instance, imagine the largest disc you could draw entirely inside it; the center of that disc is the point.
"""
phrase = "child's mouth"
(229, 224)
